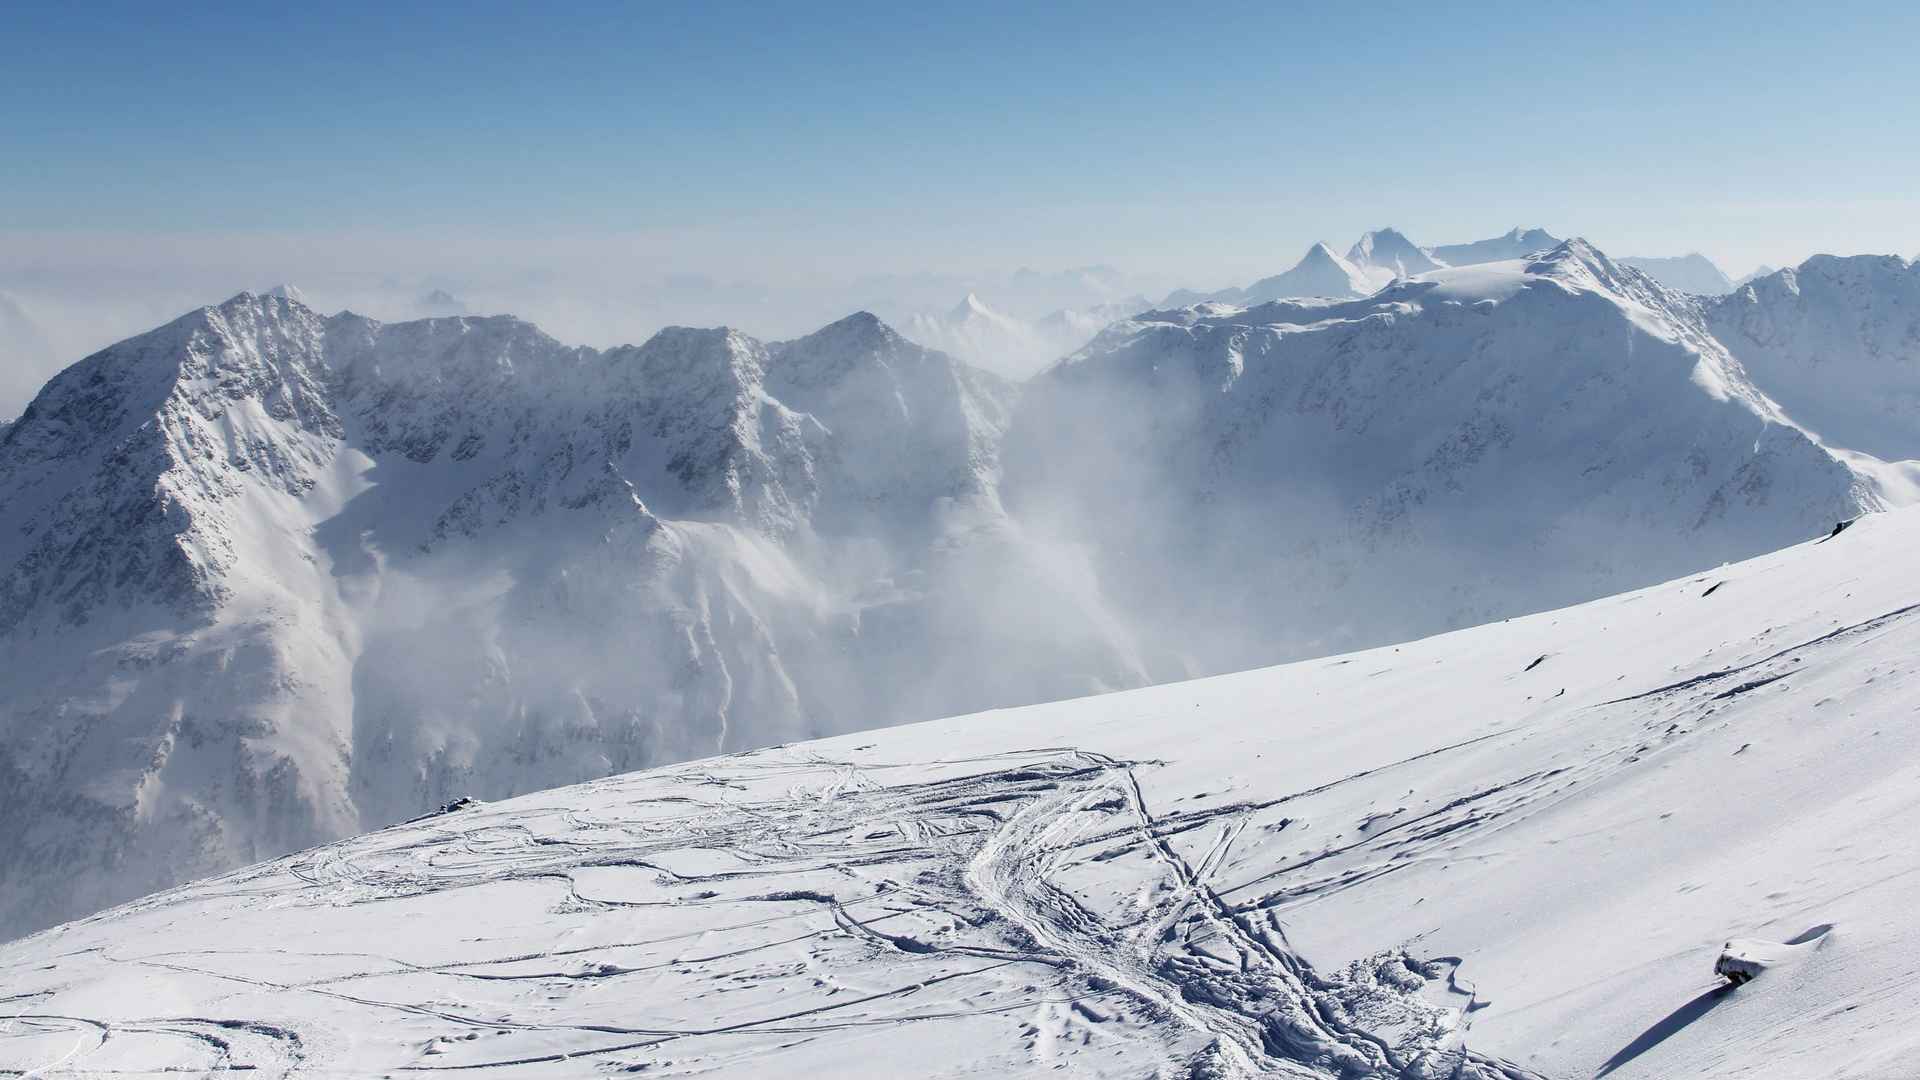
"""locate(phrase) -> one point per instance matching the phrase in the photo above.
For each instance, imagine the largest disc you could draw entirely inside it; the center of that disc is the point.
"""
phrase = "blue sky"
(775, 140)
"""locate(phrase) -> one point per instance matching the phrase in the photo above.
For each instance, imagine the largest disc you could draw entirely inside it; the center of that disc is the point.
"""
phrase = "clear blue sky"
(1224, 136)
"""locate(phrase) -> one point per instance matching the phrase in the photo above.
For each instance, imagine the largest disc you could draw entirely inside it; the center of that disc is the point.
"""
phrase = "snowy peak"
(984, 337)
(441, 302)
(1388, 252)
(1417, 414)
(972, 307)
(1515, 244)
(1319, 273)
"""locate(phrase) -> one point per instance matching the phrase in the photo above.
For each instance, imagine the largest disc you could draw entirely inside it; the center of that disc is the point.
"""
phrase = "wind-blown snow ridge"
(1362, 866)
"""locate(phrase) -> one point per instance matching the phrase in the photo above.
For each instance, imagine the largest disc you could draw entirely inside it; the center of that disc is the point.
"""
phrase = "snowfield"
(1516, 850)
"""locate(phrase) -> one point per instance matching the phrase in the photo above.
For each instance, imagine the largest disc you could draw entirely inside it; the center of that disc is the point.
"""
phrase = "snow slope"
(1300, 478)
(1836, 341)
(1516, 850)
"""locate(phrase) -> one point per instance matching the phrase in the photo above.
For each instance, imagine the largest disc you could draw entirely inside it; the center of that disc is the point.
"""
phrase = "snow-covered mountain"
(1010, 346)
(984, 337)
(1520, 850)
(1516, 244)
(1693, 273)
(1763, 270)
(273, 577)
(439, 302)
(1320, 273)
(1373, 261)
(1301, 477)
(1066, 329)
(1836, 341)
(1386, 254)
(279, 577)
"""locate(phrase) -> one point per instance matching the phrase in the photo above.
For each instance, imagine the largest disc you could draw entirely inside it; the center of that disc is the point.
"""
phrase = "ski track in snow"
(973, 872)
(982, 871)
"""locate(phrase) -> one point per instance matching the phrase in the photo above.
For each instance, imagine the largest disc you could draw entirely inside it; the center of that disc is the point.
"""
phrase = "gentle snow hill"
(1836, 341)
(1693, 273)
(1512, 851)
(1299, 478)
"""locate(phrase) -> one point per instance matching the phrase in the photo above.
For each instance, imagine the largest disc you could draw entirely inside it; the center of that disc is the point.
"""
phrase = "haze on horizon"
(620, 168)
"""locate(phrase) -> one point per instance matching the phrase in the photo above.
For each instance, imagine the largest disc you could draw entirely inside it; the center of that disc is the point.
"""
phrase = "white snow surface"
(1516, 850)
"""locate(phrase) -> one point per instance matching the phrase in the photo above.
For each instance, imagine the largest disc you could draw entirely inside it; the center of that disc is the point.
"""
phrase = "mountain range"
(270, 578)
(1385, 255)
